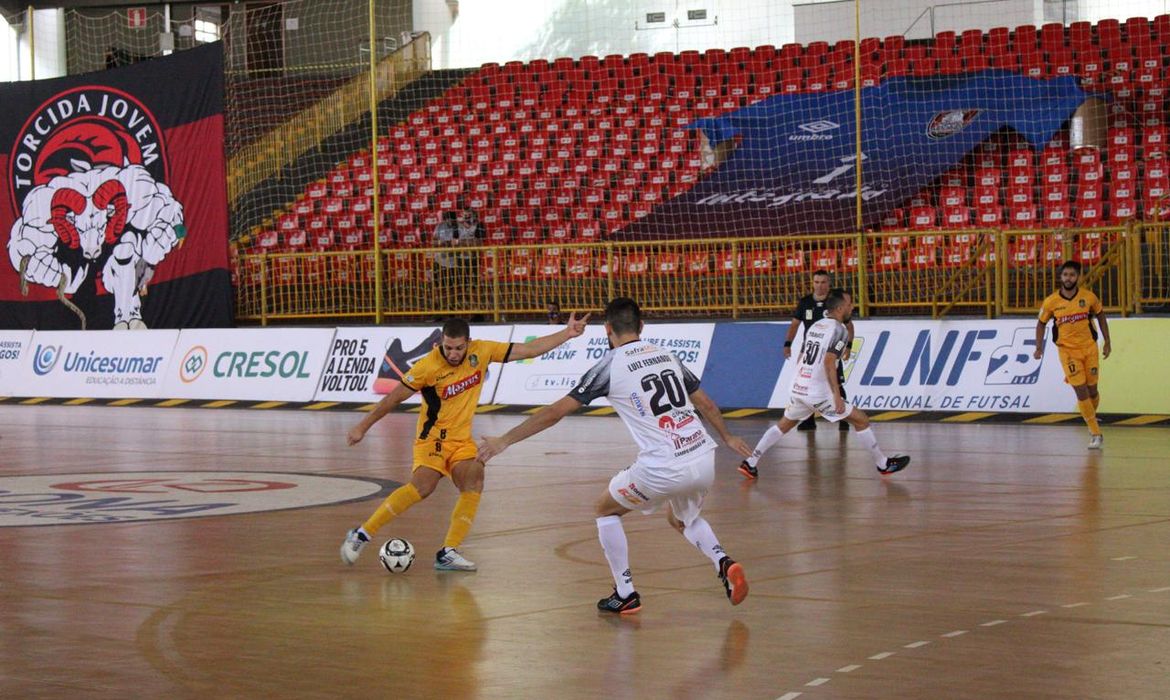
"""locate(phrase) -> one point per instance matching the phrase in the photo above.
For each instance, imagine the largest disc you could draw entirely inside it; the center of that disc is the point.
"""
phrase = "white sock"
(870, 441)
(700, 534)
(617, 552)
(771, 437)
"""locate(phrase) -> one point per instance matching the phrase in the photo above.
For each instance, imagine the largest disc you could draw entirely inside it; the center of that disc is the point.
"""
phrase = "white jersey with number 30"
(650, 390)
(826, 335)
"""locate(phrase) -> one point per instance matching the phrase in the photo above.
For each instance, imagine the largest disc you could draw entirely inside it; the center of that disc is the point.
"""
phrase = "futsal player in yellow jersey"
(1072, 309)
(450, 379)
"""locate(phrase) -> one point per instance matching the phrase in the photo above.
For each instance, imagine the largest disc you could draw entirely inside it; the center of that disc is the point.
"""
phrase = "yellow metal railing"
(934, 273)
(283, 145)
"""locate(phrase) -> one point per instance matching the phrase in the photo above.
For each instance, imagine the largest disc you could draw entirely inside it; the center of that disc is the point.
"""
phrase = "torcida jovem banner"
(113, 205)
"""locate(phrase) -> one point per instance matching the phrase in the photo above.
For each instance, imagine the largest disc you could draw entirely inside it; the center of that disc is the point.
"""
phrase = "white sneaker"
(351, 548)
(449, 559)
(1095, 442)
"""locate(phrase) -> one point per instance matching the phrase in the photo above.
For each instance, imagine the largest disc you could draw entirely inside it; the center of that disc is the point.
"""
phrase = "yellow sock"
(1096, 402)
(1089, 413)
(394, 505)
(461, 518)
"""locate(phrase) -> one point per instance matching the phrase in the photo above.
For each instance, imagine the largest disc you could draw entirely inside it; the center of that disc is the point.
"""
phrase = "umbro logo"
(815, 131)
(818, 126)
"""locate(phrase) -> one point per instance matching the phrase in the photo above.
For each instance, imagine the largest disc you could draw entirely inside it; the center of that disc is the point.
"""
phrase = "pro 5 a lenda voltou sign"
(278, 364)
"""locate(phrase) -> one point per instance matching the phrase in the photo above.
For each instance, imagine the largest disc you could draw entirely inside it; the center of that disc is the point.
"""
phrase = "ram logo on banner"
(113, 206)
(366, 363)
(792, 162)
(948, 366)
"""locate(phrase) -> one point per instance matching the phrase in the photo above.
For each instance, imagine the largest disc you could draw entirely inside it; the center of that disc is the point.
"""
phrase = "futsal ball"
(396, 555)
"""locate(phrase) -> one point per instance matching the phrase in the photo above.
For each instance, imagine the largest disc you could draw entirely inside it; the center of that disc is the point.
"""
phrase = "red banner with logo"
(113, 206)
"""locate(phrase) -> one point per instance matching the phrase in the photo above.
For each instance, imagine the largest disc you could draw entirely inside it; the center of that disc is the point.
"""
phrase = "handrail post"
(734, 279)
(264, 289)
(496, 255)
(375, 209)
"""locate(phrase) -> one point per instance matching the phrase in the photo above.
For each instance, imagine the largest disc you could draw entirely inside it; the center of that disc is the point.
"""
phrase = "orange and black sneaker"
(734, 582)
(617, 604)
(748, 470)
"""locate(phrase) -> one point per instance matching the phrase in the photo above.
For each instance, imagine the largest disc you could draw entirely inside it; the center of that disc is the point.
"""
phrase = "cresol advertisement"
(948, 366)
(260, 364)
(13, 346)
(547, 378)
(95, 364)
(364, 364)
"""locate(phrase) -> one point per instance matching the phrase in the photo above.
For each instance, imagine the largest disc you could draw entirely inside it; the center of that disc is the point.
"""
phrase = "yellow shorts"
(1080, 366)
(441, 455)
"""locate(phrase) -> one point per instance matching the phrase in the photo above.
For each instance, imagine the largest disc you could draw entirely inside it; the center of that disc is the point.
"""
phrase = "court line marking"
(956, 633)
(1123, 558)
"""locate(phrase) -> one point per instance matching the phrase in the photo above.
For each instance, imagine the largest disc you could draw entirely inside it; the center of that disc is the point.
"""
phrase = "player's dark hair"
(823, 273)
(836, 298)
(624, 316)
(456, 328)
(1071, 265)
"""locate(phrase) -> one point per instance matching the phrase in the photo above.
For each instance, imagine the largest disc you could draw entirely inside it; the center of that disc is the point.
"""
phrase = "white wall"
(489, 30)
(492, 30)
(49, 45)
(9, 52)
(834, 20)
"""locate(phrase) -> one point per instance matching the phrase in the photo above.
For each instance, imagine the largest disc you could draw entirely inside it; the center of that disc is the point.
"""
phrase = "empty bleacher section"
(558, 155)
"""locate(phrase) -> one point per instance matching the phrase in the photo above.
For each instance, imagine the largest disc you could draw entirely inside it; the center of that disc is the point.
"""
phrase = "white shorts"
(682, 484)
(801, 407)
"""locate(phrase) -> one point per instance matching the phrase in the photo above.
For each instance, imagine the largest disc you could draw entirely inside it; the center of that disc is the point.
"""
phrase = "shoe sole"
(623, 611)
(452, 568)
(739, 585)
(747, 473)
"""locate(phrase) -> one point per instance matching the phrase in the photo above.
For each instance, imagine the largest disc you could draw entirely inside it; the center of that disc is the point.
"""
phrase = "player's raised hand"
(355, 435)
(490, 447)
(576, 326)
(737, 445)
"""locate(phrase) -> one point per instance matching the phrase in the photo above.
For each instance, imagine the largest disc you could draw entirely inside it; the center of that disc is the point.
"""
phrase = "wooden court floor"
(1006, 562)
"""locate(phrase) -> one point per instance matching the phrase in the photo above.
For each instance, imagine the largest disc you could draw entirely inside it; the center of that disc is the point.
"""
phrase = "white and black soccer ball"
(396, 555)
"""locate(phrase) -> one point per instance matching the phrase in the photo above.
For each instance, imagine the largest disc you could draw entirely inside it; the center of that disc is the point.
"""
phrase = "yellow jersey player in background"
(450, 379)
(1072, 309)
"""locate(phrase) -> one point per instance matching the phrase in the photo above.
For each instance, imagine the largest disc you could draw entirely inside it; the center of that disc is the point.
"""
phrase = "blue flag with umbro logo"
(790, 160)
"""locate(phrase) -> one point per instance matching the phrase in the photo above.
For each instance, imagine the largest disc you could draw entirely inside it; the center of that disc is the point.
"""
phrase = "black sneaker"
(809, 423)
(397, 361)
(748, 470)
(734, 582)
(895, 464)
(622, 606)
